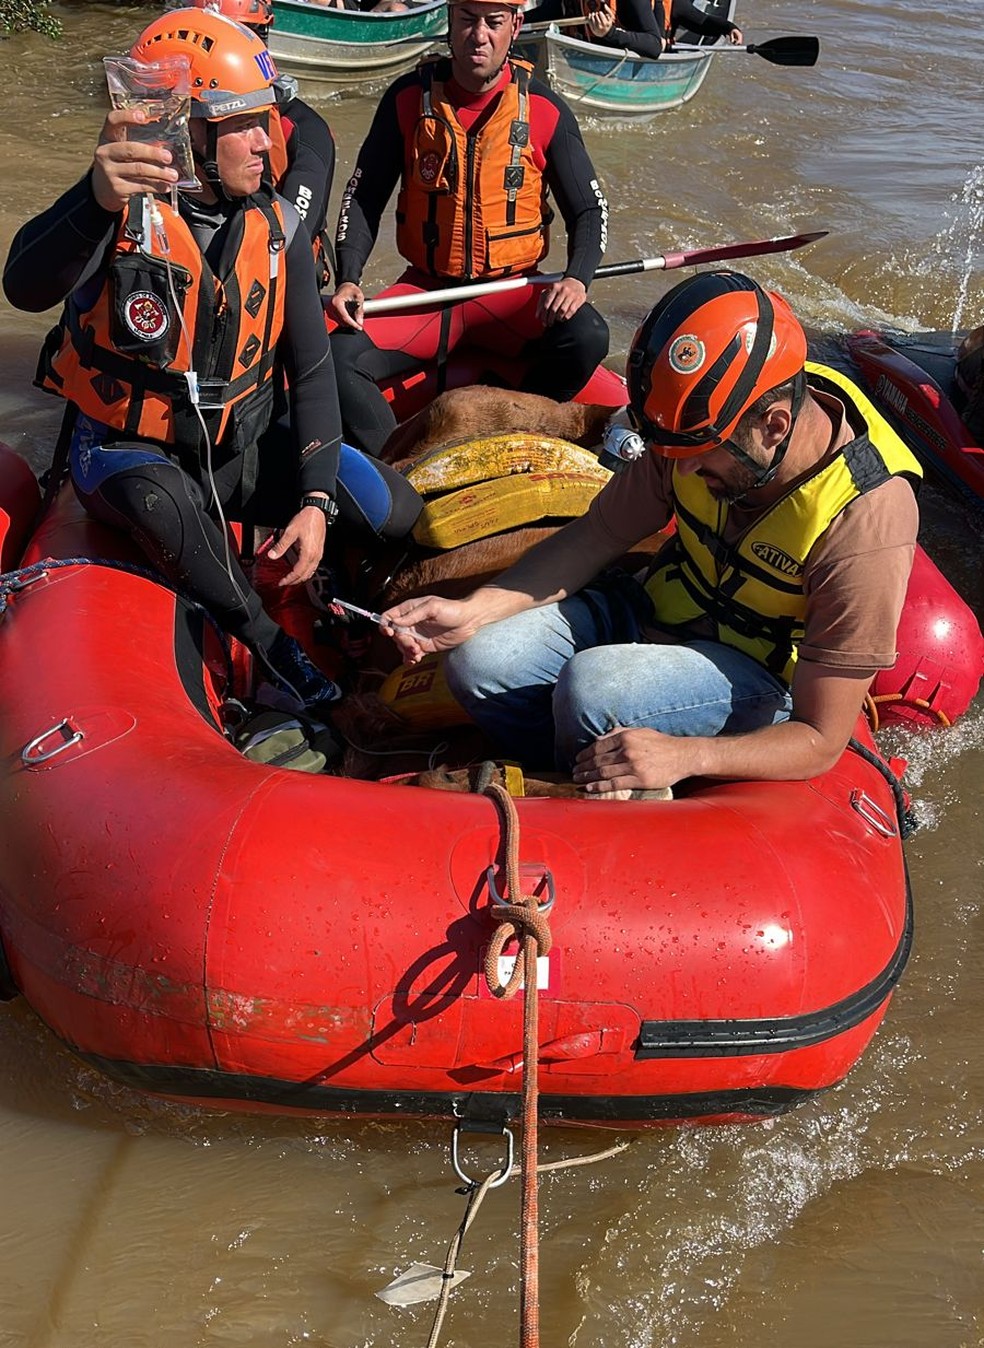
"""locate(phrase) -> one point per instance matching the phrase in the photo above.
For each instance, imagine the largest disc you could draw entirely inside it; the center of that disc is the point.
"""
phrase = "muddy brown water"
(857, 1221)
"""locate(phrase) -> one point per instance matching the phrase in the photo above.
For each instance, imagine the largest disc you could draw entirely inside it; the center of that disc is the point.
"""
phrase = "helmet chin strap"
(209, 162)
(765, 474)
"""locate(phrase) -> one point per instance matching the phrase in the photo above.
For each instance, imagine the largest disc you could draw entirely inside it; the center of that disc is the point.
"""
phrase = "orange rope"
(521, 917)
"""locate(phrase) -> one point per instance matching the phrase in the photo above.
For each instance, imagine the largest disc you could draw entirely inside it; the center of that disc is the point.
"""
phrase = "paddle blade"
(728, 251)
(788, 51)
(781, 51)
(420, 1282)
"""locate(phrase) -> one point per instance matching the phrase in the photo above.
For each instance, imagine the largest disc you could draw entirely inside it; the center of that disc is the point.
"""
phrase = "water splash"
(962, 237)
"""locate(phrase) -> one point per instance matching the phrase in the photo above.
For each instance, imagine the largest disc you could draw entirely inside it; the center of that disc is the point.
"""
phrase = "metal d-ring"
(476, 1127)
(30, 755)
(546, 879)
(22, 581)
(880, 820)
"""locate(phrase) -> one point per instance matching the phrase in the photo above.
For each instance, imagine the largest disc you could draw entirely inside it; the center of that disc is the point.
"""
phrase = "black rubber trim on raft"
(199, 1086)
(737, 1038)
(189, 642)
(733, 1038)
(8, 988)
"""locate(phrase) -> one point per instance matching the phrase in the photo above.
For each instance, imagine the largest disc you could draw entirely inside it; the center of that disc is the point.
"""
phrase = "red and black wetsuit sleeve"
(377, 171)
(310, 165)
(315, 421)
(687, 15)
(571, 178)
(638, 28)
(59, 250)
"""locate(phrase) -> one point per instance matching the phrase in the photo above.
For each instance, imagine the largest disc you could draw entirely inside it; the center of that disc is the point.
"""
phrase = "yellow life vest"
(751, 589)
(472, 205)
(123, 358)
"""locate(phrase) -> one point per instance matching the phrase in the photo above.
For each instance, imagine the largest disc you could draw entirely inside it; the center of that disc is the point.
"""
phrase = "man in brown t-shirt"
(748, 651)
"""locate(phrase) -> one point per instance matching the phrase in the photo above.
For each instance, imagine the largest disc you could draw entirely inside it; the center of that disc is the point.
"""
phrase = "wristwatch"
(325, 504)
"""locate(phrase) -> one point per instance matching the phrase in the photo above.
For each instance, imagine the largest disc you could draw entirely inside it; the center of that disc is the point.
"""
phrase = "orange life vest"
(472, 205)
(123, 360)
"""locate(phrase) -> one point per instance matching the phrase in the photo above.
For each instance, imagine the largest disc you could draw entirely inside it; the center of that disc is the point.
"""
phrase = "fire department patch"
(429, 165)
(145, 315)
(687, 354)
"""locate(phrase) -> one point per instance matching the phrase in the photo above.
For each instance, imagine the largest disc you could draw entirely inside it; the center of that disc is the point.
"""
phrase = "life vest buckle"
(211, 395)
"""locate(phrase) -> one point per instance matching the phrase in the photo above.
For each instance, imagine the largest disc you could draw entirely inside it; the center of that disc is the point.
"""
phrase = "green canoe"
(611, 82)
(337, 48)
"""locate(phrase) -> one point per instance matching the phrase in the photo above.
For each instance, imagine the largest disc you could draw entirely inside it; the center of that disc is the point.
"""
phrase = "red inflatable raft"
(204, 927)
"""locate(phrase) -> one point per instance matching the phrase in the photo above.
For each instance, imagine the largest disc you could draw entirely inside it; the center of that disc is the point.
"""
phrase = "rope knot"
(515, 920)
(521, 917)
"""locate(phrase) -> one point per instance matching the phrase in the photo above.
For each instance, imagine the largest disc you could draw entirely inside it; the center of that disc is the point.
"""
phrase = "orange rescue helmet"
(250, 13)
(231, 70)
(708, 350)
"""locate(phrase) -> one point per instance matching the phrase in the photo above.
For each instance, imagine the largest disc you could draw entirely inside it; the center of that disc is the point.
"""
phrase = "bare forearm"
(555, 568)
(648, 759)
(826, 707)
(789, 752)
(559, 566)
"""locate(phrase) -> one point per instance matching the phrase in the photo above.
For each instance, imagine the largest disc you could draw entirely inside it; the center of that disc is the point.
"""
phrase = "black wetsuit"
(310, 171)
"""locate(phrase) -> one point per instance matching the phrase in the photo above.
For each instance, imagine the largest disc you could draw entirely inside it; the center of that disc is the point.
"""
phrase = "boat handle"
(873, 814)
(544, 880)
(477, 1127)
(32, 754)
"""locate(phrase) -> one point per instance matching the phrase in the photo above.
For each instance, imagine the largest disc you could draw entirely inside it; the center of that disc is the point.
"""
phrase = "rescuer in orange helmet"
(747, 648)
(302, 154)
(175, 306)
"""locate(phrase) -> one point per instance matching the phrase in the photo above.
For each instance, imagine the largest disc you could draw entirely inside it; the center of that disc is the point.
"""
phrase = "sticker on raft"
(549, 974)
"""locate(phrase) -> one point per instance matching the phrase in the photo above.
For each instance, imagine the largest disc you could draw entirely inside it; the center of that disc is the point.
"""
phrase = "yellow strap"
(491, 507)
(464, 462)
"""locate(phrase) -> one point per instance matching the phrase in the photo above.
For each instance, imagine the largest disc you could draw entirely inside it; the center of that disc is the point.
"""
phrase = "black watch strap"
(325, 504)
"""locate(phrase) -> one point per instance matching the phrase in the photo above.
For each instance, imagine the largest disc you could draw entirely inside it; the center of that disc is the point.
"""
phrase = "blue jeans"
(548, 682)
